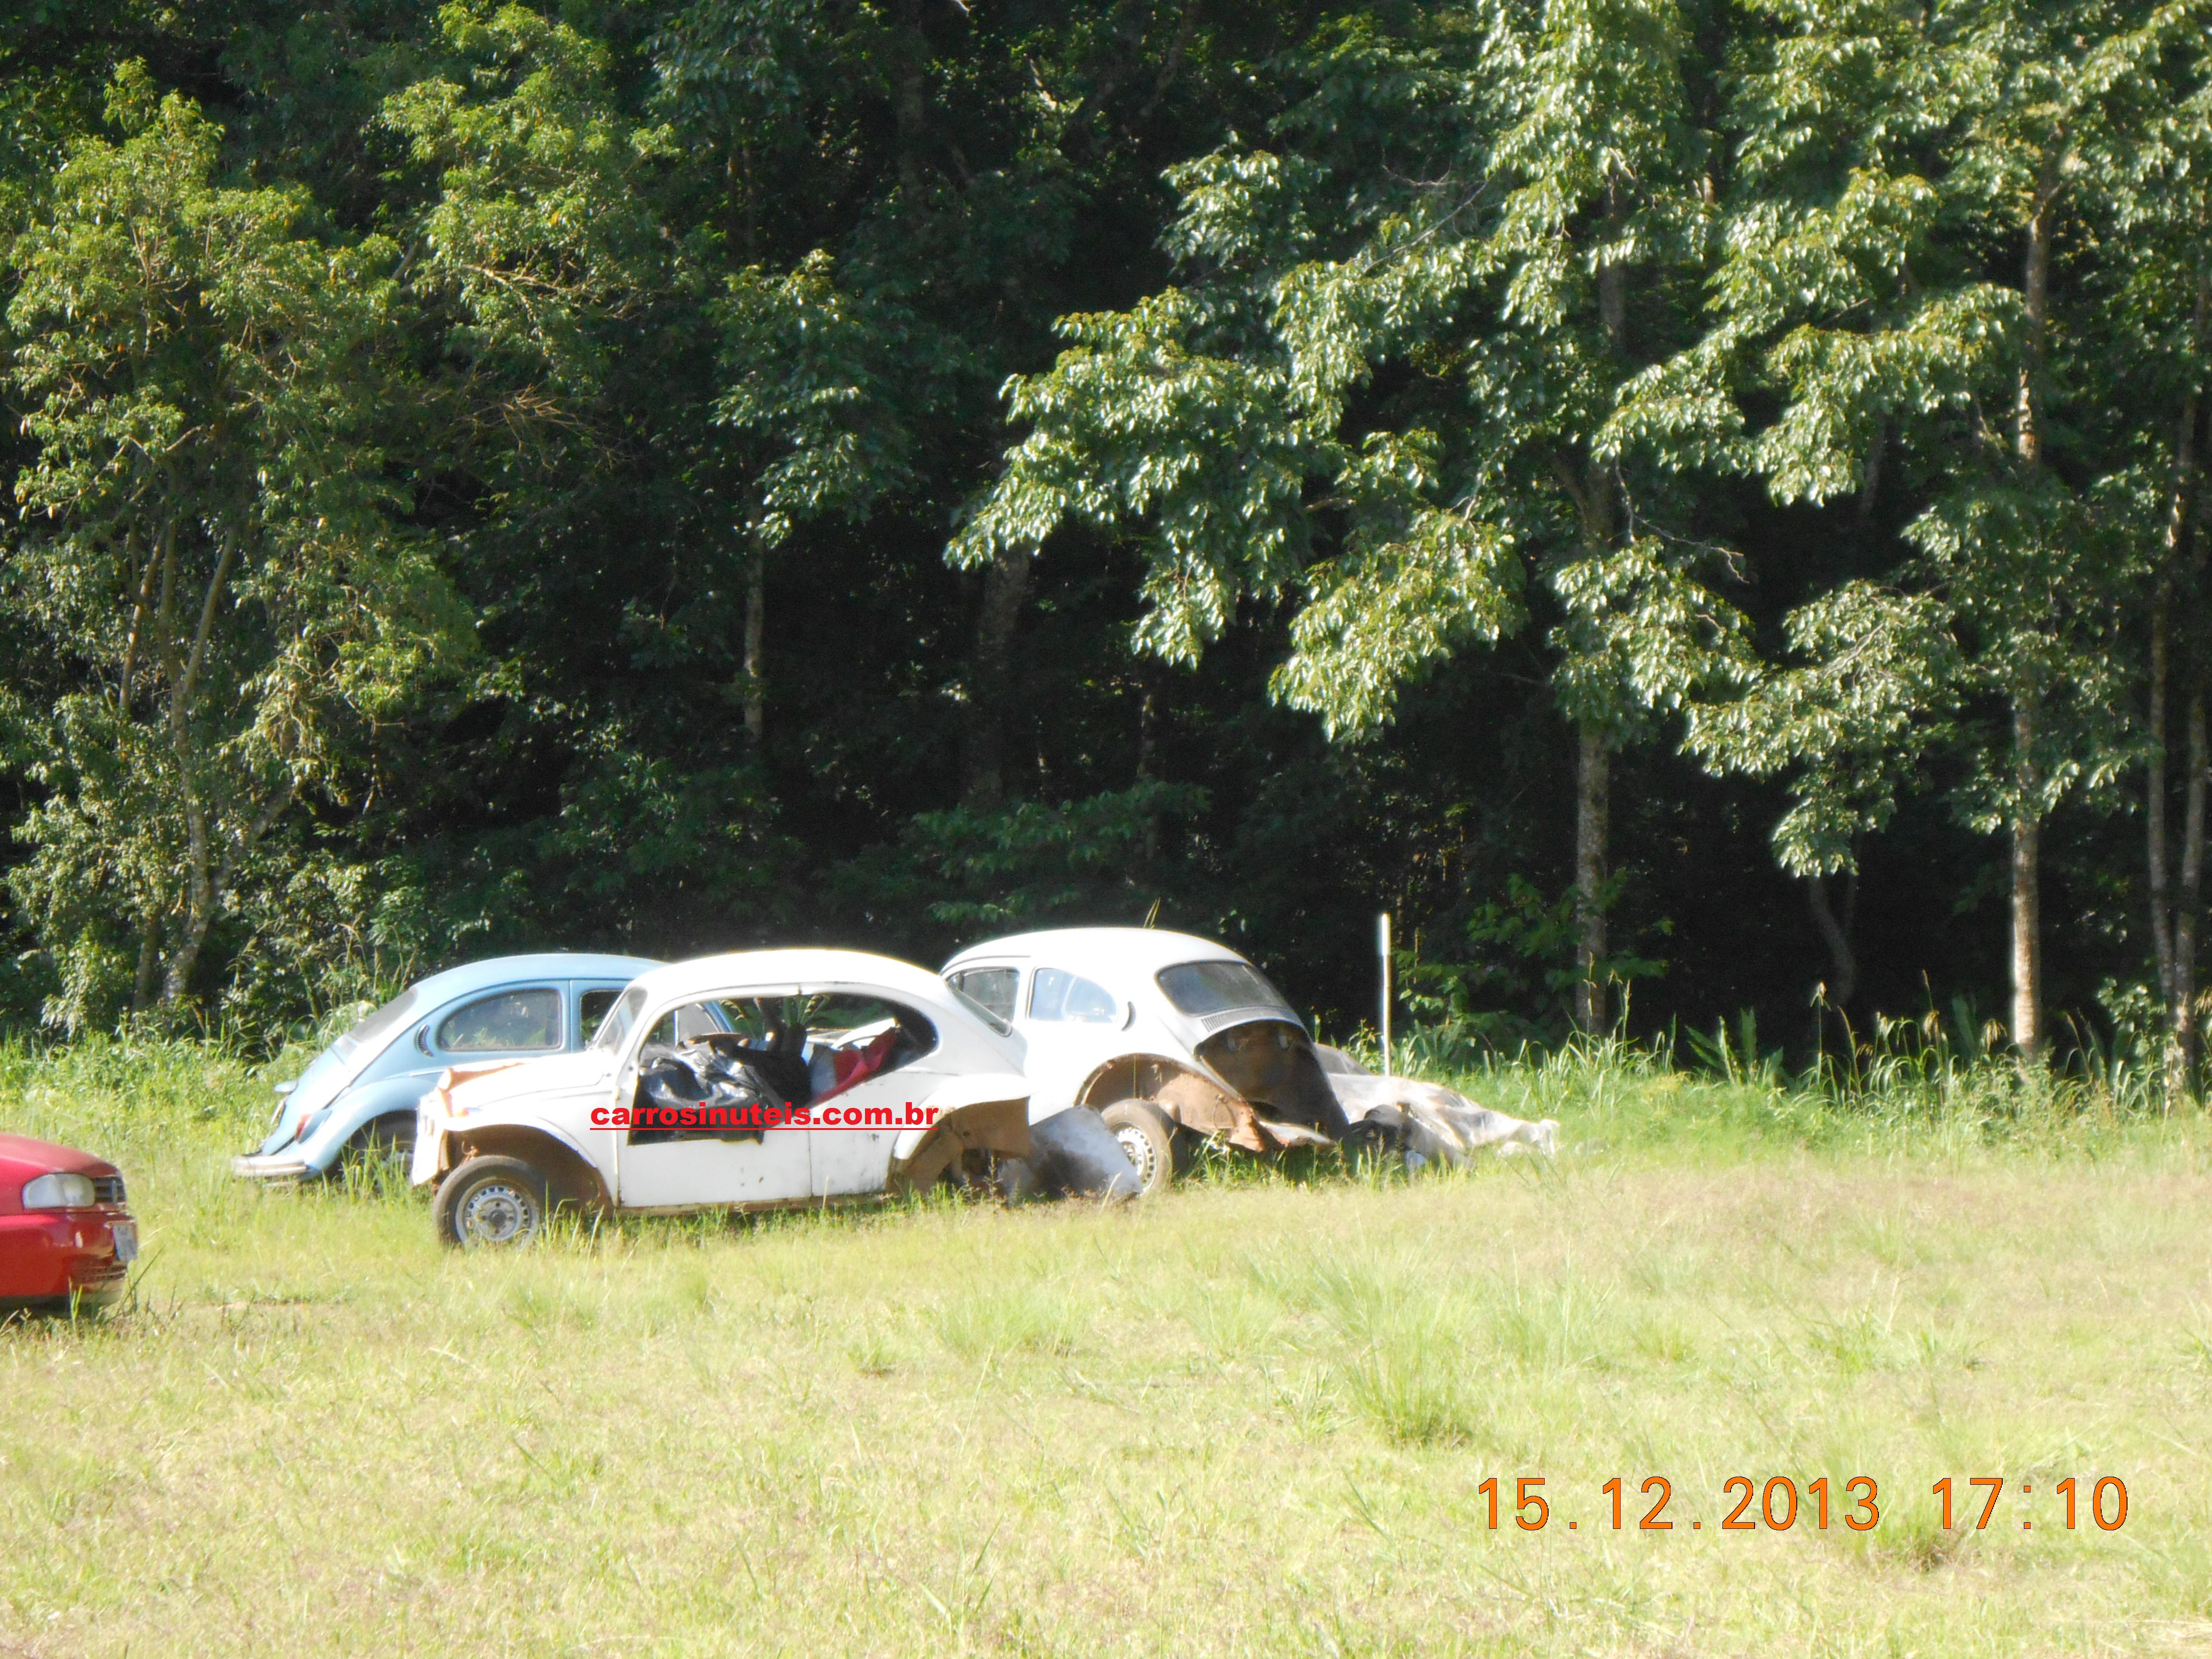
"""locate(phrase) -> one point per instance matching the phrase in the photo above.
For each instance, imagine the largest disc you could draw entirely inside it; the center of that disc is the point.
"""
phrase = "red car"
(63, 1230)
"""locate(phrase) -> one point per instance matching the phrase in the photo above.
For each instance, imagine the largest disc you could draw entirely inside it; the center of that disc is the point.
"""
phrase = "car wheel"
(392, 1135)
(491, 1201)
(1155, 1147)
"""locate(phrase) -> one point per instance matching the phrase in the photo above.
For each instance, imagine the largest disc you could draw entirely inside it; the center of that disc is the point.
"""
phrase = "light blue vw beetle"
(359, 1095)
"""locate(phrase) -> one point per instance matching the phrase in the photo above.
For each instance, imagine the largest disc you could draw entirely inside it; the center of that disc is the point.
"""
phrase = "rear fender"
(984, 1113)
(390, 1096)
(1192, 1097)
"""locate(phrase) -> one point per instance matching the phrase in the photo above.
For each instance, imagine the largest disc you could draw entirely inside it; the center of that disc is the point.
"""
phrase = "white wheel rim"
(497, 1213)
(1141, 1153)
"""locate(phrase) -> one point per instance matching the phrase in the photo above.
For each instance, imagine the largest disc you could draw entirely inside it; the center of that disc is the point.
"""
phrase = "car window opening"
(590, 1008)
(623, 1015)
(506, 1022)
(371, 1031)
(990, 991)
(1271, 1062)
(1058, 994)
(783, 1052)
(1199, 989)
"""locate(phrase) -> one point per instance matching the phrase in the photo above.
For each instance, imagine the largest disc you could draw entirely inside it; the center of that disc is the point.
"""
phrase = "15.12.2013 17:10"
(1778, 1504)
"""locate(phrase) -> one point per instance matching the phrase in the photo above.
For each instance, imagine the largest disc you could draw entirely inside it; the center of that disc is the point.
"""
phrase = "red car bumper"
(49, 1255)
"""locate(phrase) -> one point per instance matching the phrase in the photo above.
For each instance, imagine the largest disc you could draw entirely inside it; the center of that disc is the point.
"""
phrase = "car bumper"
(275, 1166)
(58, 1253)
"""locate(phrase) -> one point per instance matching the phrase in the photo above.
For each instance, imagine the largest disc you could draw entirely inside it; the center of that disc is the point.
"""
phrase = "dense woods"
(1695, 508)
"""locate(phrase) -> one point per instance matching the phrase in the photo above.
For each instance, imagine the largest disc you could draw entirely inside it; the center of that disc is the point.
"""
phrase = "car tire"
(491, 1202)
(392, 1135)
(1158, 1150)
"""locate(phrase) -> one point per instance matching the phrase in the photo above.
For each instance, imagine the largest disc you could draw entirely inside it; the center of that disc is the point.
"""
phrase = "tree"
(2157, 333)
(212, 539)
(1380, 392)
(1892, 166)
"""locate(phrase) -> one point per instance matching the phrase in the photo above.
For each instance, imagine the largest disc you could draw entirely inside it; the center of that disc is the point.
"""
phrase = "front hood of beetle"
(503, 1085)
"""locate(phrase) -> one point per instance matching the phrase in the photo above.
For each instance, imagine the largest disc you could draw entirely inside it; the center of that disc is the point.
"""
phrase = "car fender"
(437, 1125)
(518, 1135)
(1188, 1090)
(358, 1106)
(985, 1111)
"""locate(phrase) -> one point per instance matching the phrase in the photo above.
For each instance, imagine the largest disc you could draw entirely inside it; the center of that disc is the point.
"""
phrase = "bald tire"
(1156, 1149)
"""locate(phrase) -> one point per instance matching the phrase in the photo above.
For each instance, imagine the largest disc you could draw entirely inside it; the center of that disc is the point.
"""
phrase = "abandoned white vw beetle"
(755, 1080)
(1172, 1038)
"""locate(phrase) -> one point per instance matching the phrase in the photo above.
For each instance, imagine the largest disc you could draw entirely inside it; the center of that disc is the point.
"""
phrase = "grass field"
(1252, 1417)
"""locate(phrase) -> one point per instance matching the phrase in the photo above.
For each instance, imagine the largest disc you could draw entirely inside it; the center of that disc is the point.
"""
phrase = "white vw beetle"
(1172, 1038)
(755, 1080)
(1175, 1039)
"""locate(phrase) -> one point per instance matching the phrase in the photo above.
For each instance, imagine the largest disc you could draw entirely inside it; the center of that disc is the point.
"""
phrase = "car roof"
(544, 964)
(1140, 950)
(702, 976)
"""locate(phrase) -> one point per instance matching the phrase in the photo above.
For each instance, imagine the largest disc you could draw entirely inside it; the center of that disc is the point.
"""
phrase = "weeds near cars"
(1252, 1417)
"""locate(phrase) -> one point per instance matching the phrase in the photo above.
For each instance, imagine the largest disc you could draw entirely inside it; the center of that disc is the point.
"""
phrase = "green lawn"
(1252, 1417)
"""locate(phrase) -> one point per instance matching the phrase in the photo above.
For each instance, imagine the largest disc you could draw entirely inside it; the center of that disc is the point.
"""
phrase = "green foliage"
(560, 418)
(211, 538)
(981, 871)
(1521, 956)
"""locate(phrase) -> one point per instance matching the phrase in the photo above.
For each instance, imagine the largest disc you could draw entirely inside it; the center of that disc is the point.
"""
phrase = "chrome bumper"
(276, 1166)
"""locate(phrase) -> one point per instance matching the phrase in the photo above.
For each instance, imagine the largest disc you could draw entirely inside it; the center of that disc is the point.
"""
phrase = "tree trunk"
(1612, 282)
(2184, 1024)
(2027, 1032)
(150, 961)
(756, 665)
(1593, 782)
(203, 893)
(982, 752)
(2173, 928)
(2035, 292)
(1843, 965)
(2154, 804)
(911, 56)
(1593, 760)
(1147, 731)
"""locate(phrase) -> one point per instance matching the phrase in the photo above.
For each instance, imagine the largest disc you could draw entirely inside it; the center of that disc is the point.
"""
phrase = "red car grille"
(107, 1190)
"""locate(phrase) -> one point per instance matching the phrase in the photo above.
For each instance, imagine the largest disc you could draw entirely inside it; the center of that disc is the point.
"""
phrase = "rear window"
(371, 1032)
(1213, 987)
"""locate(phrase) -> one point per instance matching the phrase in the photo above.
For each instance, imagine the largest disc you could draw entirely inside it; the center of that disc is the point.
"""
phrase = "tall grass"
(1253, 1417)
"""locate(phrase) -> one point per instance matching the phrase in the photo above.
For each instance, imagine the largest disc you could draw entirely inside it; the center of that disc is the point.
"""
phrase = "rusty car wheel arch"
(570, 1177)
(990, 1126)
(1195, 1100)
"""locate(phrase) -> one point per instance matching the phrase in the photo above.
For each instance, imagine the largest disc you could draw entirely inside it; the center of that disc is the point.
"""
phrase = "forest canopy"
(1692, 507)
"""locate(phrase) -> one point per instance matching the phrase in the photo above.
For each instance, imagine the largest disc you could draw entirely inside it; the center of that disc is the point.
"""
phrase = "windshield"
(371, 1032)
(620, 1017)
(1212, 987)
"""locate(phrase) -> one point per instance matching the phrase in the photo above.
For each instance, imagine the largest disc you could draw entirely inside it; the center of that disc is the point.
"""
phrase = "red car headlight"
(59, 1191)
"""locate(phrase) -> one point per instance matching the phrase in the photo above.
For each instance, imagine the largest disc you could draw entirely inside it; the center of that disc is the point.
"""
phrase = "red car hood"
(29, 1157)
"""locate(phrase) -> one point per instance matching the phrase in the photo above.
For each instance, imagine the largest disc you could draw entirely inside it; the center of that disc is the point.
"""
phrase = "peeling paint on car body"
(1236, 1065)
(1243, 1073)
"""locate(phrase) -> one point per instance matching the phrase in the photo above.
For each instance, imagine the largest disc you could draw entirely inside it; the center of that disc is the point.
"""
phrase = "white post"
(1382, 949)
